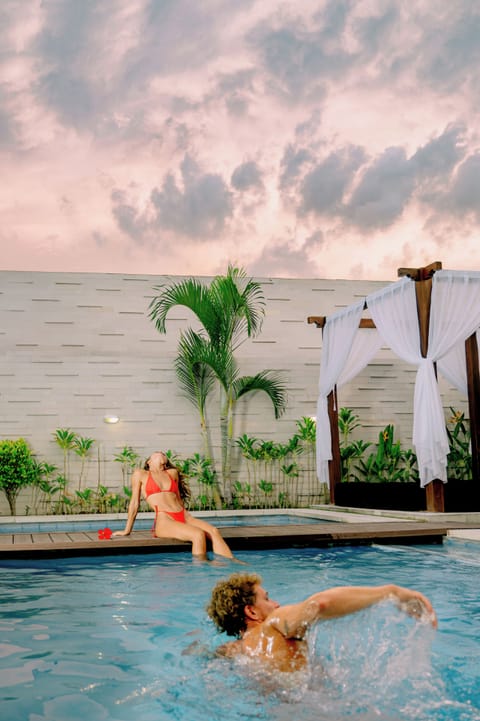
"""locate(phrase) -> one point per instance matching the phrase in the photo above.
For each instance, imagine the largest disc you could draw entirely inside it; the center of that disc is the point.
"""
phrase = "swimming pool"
(127, 638)
(65, 524)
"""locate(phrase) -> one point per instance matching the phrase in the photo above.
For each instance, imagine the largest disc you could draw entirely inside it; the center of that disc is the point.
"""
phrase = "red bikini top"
(152, 486)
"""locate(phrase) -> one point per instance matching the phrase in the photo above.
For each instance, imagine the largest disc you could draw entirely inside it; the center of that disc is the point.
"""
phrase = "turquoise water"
(125, 638)
(69, 526)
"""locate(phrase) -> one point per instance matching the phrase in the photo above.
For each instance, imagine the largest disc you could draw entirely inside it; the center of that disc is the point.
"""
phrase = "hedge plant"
(18, 469)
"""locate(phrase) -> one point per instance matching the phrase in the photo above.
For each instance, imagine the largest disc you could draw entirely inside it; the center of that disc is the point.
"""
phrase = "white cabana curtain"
(455, 315)
(366, 345)
(452, 366)
(394, 310)
(345, 352)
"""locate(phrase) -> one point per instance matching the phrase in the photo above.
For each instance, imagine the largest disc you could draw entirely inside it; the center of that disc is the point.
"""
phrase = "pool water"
(127, 637)
(71, 525)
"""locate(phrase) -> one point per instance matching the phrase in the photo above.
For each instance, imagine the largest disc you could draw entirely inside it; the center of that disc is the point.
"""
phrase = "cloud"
(302, 54)
(236, 90)
(451, 51)
(293, 161)
(439, 156)
(323, 188)
(384, 189)
(464, 195)
(129, 219)
(70, 96)
(285, 259)
(200, 209)
(62, 49)
(247, 176)
(7, 136)
(373, 33)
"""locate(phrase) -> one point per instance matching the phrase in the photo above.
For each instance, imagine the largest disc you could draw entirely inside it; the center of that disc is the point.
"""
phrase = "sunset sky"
(329, 139)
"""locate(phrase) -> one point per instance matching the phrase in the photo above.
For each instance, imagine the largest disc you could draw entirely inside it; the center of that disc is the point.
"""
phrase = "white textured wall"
(76, 346)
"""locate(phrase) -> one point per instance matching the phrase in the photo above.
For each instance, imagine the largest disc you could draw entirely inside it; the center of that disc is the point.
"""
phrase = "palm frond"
(241, 304)
(195, 376)
(267, 381)
(189, 293)
(222, 363)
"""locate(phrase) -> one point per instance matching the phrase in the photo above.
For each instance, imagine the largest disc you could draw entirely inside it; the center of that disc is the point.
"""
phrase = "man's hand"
(416, 604)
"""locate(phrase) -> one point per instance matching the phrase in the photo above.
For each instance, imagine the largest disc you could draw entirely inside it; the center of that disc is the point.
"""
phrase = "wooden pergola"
(423, 290)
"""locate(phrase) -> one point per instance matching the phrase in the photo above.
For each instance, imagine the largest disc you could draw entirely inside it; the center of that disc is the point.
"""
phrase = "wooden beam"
(473, 385)
(320, 321)
(420, 273)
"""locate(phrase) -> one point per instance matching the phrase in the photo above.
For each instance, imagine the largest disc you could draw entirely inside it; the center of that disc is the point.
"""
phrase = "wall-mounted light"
(110, 418)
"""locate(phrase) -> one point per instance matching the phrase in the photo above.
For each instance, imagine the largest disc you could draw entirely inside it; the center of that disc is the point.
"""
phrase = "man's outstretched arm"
(294, 620)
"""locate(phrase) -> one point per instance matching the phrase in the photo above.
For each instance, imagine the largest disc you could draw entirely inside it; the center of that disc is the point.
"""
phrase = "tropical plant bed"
(389, 496)
(459, 496)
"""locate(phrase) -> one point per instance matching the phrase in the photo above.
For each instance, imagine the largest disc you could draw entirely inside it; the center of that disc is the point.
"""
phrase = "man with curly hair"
(276, 634)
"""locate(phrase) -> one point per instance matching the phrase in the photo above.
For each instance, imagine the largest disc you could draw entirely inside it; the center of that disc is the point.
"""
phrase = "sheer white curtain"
(366, 345)
(345, 352)
(394, 310)
(454, 316)
(452, 366)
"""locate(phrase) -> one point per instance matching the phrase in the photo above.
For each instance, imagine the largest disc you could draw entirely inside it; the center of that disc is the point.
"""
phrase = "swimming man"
(276, 634)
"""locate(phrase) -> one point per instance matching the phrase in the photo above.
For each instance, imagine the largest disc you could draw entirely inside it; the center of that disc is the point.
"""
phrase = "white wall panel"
(76, 346)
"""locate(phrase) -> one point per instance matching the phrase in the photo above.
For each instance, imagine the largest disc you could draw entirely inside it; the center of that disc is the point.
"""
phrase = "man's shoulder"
(229, 649)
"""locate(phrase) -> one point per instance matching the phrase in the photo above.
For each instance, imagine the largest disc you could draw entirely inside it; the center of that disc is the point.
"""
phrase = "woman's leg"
(219, 546)
(165, 527)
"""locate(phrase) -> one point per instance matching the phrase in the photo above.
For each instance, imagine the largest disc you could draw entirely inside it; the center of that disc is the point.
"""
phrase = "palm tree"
(65, 438)
(230, 310)
(82, 447)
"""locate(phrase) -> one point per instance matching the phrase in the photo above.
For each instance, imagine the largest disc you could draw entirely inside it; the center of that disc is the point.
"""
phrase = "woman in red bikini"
(163, 489)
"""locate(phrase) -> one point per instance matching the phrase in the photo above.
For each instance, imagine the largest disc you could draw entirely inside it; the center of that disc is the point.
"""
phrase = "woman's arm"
(133, 505)
(293, 621)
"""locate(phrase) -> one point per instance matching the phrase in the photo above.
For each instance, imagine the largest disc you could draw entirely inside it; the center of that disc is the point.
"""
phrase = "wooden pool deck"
(313, 535)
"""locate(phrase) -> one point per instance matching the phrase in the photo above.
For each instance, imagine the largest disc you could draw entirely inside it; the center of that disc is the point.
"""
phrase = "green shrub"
(18, 469)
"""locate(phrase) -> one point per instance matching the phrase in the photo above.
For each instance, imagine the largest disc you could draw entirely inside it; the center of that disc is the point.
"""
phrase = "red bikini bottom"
(178, 516)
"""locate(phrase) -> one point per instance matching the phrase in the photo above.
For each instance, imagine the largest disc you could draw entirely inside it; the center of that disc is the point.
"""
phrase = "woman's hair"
(228, 601)
(183, 487)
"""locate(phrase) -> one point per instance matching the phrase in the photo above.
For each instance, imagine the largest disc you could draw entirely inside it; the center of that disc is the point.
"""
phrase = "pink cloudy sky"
(331, 139)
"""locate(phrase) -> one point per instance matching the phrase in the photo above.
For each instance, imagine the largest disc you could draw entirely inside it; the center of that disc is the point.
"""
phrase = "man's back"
(269, 646)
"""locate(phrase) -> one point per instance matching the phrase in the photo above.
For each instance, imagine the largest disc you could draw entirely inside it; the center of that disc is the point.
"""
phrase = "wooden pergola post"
(473, 385)
(335, 465)
(435, 499)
